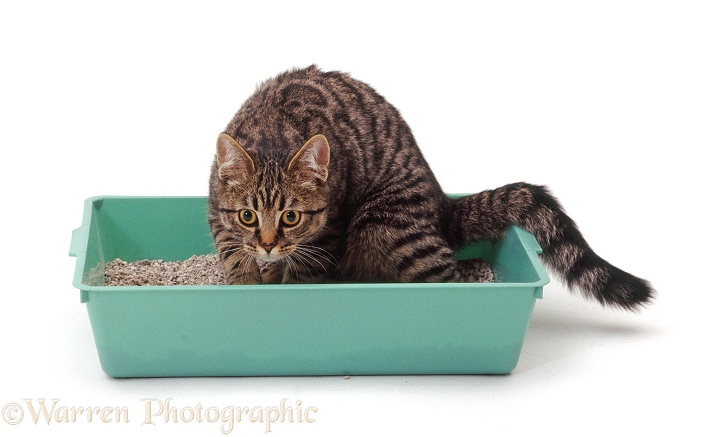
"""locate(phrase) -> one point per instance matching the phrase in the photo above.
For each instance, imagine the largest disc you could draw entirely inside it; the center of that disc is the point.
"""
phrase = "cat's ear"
(312, 158)
(234, 162)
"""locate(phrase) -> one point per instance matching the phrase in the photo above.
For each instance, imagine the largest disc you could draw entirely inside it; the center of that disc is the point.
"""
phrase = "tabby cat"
(318, 176)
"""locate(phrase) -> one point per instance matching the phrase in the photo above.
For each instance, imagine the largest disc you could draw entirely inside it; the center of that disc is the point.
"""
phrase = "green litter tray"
(267, 330)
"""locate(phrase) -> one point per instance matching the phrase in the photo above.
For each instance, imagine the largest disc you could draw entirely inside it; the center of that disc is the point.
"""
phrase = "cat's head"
(272, 207)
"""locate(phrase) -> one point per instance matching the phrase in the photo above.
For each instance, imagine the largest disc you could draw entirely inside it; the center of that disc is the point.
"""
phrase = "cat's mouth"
(268, 258)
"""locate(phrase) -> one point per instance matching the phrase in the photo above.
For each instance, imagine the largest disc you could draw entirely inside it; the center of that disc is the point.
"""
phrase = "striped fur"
(330, 148)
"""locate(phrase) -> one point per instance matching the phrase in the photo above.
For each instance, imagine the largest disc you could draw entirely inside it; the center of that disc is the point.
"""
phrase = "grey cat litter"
(207, 270)
(196, 270)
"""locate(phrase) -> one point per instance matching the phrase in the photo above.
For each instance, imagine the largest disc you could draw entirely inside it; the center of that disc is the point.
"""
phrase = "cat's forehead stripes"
(269, 199)
(268, 195)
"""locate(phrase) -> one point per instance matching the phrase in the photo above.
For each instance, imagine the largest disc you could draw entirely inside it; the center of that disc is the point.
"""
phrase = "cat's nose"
(268, 246)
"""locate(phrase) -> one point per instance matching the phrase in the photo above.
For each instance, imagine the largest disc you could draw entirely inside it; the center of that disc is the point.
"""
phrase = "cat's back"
(307, 102)
(372, 147)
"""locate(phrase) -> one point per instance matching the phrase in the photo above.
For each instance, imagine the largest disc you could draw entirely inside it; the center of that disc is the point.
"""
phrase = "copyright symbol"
(12, 413)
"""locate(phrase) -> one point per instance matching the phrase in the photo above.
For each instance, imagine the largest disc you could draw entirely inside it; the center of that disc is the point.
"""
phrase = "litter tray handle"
(79, 238)
(79, 245)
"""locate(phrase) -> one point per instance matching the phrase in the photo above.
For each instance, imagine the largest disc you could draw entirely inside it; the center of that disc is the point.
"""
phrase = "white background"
(601, 100)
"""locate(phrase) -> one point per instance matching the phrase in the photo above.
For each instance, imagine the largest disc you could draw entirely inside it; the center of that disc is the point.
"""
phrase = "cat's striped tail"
(487, 214)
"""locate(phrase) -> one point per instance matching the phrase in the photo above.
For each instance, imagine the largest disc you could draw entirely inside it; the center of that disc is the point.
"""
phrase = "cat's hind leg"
(397, 247)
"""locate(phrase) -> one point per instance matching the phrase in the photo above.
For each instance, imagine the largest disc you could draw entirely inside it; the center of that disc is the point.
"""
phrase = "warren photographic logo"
(158, 412)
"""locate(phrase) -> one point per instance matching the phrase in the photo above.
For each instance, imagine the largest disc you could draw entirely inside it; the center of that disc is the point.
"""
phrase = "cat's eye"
(291, 218)
(247, 217)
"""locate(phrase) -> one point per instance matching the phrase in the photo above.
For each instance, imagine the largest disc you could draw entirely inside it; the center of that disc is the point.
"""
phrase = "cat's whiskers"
(292, 267)
(232, 250)
(243, 257)
(247, 265)
(318, 251)
(301, 260)
(305, 254)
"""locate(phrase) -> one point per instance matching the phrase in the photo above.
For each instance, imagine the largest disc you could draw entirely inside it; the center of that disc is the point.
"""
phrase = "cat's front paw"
(271, 272)
(244, 278)
(244, 281)
(242, 271)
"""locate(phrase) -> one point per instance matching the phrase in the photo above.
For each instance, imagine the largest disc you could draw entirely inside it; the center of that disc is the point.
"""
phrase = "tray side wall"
(350, 331)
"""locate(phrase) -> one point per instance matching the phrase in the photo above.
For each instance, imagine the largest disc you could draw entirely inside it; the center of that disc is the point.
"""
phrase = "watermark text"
(158, 412)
